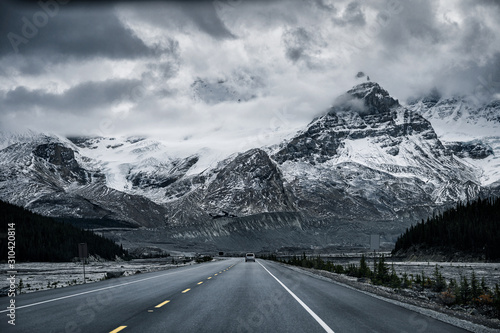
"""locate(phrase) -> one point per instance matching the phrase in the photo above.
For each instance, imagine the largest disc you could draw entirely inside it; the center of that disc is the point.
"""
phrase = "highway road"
(222, 296)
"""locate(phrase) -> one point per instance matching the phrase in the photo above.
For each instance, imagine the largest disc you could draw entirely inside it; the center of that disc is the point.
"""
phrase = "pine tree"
(382, 276)
(395, 281)
(439, 281)
(364, 270)
(464, 291)
(475, 288)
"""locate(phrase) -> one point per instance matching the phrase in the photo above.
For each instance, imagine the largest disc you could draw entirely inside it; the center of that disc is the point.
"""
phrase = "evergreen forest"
(472, 227)
(40, 238)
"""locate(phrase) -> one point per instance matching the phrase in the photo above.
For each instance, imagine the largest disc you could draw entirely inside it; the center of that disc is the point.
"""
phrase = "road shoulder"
(431, 309)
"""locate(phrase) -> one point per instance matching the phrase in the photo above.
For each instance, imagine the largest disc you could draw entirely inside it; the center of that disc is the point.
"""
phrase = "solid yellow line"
(162, 304)
(118, 329)
(185, 291)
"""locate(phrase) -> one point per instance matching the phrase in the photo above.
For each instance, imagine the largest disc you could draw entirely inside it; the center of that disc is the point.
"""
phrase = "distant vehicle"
(250, 257)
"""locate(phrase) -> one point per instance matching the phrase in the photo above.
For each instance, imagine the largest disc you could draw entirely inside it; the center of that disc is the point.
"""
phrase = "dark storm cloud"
(184, 15)
(413, 46)
(29, 66)
(204, 16)
(164, 70)
(322, 4)
(303, 45)
(297, 42)
(56, 33)
(353, 15)
(490, 4)
(83, 97)
(419, 23)
(415, 21)
(481, 82)
(305, 51)
(476, 37)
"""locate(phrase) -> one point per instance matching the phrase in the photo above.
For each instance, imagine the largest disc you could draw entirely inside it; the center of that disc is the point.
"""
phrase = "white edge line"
(441, 316)
(100, 289)
(311, 312)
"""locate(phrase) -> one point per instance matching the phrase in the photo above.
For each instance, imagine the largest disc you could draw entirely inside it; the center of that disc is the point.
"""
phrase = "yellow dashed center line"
(162, 304)
(118, 329)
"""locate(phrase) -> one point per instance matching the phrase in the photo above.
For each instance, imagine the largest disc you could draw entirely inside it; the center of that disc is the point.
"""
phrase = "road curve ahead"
(223, 296)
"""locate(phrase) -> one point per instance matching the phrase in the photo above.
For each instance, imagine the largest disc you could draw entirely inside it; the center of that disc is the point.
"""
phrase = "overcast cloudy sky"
(230, 70)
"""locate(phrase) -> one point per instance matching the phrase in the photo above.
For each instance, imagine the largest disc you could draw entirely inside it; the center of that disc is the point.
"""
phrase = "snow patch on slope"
(458, 120)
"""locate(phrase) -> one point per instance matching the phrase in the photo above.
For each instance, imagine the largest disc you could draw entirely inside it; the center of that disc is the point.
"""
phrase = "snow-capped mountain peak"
(374, 99)
(367, 161)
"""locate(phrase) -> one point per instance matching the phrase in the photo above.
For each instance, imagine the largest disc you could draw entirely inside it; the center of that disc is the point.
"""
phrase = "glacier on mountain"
(466, 126)
(368, 165)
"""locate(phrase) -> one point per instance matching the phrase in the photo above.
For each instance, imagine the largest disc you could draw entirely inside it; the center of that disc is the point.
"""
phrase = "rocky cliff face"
(375, 99)
(476, 149)
(250, 184)
(63, 159)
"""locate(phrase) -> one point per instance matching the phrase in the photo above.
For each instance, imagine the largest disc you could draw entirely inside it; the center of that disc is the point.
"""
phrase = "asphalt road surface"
(223, 296)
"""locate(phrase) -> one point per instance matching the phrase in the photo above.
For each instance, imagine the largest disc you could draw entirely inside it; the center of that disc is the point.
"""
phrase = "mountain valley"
(369, 165)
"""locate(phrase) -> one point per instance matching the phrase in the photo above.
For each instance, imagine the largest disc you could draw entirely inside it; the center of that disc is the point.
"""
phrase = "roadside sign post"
(83, 253)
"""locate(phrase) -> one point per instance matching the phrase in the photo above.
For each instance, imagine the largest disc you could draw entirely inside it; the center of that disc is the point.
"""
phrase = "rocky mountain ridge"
(470, 129)
(47, 175)
(368, 165)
